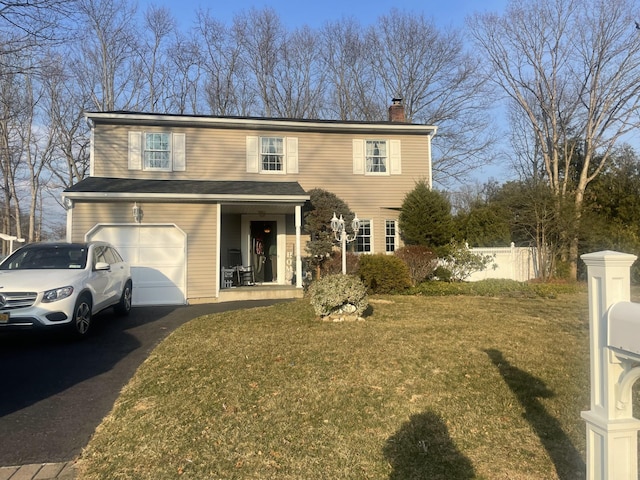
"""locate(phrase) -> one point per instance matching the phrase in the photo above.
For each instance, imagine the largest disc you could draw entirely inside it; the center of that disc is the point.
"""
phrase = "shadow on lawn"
(528, 389)
(422, 449)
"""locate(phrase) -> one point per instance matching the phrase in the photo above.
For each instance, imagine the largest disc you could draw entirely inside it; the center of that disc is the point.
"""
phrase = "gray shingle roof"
(197, 187)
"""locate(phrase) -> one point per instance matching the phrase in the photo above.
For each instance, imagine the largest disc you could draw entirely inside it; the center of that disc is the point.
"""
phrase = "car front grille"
(13, 300)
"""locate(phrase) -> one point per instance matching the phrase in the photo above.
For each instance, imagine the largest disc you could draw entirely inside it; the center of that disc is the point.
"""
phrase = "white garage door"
(157, 257)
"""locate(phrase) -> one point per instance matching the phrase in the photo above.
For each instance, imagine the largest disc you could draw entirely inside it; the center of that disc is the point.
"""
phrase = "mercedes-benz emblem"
(3, 300)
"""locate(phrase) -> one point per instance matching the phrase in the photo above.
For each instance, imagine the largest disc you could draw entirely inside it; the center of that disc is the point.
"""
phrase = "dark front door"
(263, 251)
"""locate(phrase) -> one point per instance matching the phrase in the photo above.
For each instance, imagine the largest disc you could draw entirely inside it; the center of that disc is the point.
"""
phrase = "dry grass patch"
(426, 387)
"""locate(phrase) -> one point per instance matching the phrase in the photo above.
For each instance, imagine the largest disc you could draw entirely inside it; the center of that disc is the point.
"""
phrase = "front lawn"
(425, 388)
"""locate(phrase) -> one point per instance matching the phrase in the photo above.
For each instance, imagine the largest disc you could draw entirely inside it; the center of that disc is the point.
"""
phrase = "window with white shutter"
(272, 155)
(157, 151)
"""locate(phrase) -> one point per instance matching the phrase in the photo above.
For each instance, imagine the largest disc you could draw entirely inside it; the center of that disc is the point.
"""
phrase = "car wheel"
(81, 317)
(124, 305)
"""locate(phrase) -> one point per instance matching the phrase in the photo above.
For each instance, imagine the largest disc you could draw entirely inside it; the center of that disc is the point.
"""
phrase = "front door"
(263, 246)
(264, 251)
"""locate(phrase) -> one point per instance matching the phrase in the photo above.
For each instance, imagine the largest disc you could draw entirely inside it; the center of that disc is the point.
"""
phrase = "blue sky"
(316, 13)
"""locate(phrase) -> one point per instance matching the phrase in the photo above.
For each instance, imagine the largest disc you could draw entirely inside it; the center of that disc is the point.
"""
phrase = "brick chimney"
(396, 110)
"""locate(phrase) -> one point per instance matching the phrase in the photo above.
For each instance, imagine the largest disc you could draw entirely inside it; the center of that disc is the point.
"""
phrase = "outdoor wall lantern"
(137, 212)
(340, 234)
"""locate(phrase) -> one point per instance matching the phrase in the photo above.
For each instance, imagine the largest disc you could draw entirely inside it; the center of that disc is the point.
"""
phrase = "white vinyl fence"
(512, 263)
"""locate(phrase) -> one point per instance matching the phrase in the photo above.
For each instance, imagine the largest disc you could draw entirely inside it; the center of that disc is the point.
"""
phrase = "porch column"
(298, 255)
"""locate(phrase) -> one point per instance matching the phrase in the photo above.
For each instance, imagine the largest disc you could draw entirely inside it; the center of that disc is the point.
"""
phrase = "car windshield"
(47, 257)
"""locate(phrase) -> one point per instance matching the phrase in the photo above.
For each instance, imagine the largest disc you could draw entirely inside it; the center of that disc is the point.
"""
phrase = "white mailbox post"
(614, 344)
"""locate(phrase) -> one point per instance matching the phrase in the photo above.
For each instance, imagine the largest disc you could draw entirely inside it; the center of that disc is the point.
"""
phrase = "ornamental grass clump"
(338, 295)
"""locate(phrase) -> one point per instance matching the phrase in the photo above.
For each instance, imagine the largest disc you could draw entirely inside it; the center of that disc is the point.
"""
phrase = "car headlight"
(57, 294)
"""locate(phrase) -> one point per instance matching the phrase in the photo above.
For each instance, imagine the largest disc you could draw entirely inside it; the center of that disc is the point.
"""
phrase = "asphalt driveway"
(55, 392)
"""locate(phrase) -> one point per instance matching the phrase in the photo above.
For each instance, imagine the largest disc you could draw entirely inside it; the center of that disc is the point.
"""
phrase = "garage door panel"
(149, 276)
(157, 257)
(129, 254)
(149, 296)
(161, 256)
(161, 236)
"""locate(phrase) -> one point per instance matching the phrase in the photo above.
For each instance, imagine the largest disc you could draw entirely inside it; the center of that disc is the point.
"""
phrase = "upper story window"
(272, 153)
(376, 156)
(275, 155)
(157, 151)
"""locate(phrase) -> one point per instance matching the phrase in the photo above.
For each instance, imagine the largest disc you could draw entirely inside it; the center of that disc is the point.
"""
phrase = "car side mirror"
(103, 266)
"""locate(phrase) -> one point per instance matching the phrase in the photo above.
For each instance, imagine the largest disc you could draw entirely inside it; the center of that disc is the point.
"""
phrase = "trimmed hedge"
(384, 273)
(495, 288)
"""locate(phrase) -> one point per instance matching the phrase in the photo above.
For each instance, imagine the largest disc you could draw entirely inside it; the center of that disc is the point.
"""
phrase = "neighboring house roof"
(127, 188)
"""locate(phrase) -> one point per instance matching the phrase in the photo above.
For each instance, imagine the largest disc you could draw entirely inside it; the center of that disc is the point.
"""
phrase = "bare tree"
(571, 68)
(107, 53)
(225, 76)
(350, 79)
(38, 137)
(261, 35)
(159, 24)
(25, 25)
(183, 96)
(64, 104)
(299, 79)
(11, 144)
(440, 85)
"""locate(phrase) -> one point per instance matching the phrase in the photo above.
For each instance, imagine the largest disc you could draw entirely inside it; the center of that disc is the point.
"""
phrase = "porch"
(260, 292)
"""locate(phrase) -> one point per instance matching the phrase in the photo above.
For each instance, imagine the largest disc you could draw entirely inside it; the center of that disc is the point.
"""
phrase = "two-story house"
(178, 194)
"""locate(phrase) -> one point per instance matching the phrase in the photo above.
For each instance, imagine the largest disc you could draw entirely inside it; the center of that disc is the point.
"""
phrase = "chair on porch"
(244, 273)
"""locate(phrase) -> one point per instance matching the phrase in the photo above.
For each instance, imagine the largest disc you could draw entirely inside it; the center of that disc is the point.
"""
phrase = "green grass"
(425, 388)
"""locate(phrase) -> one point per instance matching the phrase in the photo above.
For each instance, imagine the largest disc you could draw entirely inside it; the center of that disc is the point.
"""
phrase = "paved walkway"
(40, 471)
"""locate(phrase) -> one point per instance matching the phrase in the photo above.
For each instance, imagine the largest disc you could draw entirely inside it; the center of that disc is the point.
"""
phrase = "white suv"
(54, 284)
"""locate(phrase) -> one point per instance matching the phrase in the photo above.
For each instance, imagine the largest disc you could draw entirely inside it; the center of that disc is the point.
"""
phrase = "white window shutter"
(135, 150)
(252, 154)
(178, 145)
(358, 157)
(292, 155)
(395, 163)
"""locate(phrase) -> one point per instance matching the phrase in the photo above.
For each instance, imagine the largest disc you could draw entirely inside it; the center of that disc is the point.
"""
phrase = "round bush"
(384, 273)
(338, 294)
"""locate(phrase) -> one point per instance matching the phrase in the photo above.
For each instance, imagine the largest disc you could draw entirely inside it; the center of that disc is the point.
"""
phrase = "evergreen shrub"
(384, 273)
(338, 294)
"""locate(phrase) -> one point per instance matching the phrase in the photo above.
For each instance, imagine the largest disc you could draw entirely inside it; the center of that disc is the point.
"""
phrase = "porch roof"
(94, 188)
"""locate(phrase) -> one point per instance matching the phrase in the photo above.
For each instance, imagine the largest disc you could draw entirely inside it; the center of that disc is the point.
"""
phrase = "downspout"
(68, 206)
(218, 253)
(429, 159)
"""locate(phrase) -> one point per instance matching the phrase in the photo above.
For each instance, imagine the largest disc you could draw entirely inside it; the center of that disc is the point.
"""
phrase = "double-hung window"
(157, 151)
(376, 156)
(390, 236)
(363, 240)
(272, 154)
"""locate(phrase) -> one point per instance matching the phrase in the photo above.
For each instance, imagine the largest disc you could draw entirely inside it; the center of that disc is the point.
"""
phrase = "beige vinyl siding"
(325, 160)
(198, 221)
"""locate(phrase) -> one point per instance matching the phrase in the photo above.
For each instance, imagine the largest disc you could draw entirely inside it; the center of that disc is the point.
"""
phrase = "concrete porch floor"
(260, 292)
